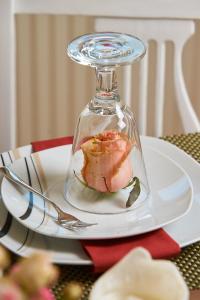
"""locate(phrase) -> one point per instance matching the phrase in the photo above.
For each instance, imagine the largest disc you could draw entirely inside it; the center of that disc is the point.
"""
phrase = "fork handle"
(16, 179)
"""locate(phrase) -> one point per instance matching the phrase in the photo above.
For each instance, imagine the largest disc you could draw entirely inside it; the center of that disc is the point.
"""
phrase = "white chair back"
(160, 31)
(150, 21)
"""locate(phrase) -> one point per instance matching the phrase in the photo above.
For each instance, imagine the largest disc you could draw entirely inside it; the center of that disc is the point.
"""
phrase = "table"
(188, 261)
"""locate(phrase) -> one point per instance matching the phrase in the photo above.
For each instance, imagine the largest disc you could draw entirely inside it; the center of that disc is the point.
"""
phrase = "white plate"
(24, 242)
(186, 230)
(170, 198)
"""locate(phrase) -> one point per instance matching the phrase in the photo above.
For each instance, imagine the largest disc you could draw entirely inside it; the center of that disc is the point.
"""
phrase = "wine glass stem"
(106, 84)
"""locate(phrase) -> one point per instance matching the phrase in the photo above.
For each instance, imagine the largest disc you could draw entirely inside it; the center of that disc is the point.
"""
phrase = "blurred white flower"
(139, 277)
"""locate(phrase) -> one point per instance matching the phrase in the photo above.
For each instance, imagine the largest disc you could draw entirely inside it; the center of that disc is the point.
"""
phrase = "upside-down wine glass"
(107, 172)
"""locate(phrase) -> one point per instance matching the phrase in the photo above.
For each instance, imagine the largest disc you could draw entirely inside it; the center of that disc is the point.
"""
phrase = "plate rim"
(29, 248)
(128, 234)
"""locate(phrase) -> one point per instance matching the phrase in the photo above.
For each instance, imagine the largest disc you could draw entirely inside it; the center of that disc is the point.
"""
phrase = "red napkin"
(46, 144)
(105, 253)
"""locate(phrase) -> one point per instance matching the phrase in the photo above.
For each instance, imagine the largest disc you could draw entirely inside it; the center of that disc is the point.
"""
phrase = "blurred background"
(52, 90)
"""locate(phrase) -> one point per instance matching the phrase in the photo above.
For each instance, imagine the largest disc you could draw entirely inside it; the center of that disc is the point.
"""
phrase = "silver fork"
(64, 219)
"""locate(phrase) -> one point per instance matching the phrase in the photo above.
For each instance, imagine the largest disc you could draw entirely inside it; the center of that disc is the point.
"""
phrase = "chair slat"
(190, 120)
(7, 77)
(160, 89)
(143, 96)
(128, 8)
(127, 87)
